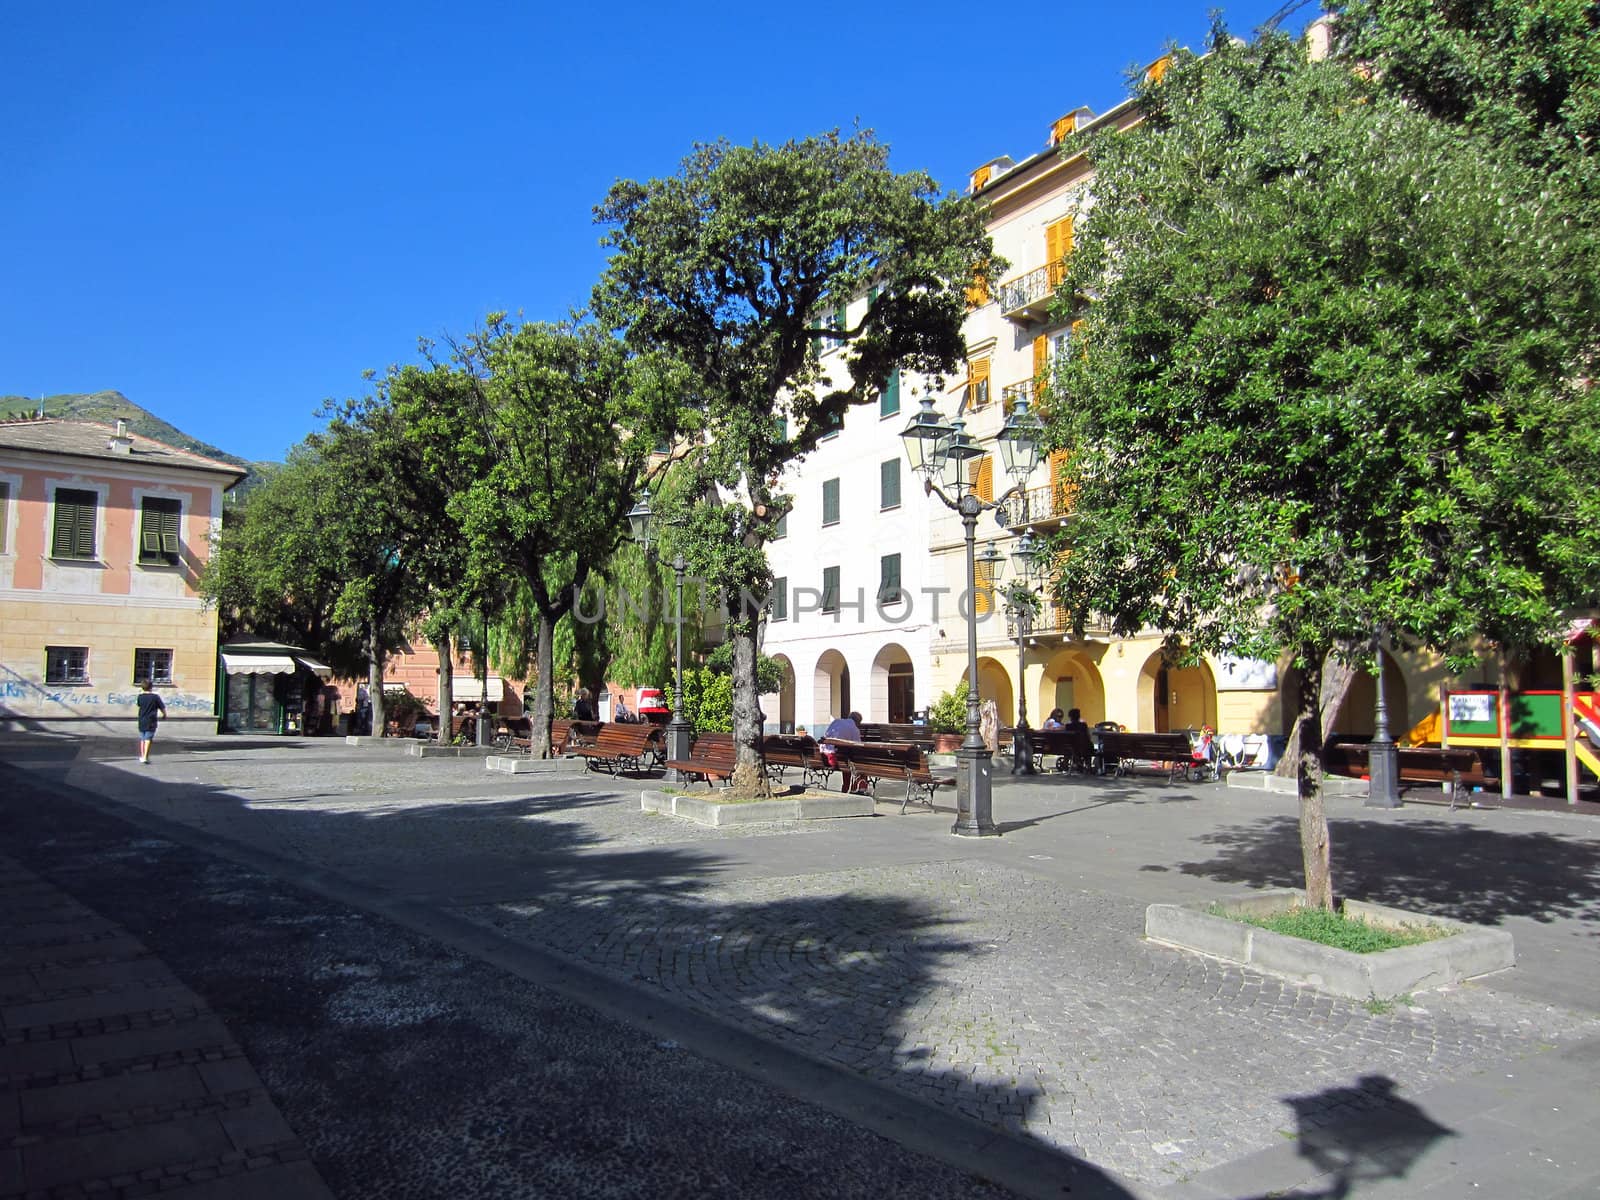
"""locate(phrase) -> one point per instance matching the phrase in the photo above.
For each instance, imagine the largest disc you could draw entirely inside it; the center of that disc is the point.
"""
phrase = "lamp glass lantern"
(991, 564)
(923, 437)
(958, 457)
(1023, 551)
(1020, 440)
(639, 518)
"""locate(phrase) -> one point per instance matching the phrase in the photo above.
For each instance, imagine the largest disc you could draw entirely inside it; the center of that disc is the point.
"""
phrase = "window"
(831, 424)
(830, 589)
(1063, 128)
(978, 382)
(980, 178)
(781, 529)
(889, 398)
(978, 291)
(830, 501)
(1057, 247)
(73, 536)
(889, 483)
(5, 497)
(983, 598)
(154, 665)
(778, 602)
(66, 664)
(889, 579)
(158, 532)
(983, 481)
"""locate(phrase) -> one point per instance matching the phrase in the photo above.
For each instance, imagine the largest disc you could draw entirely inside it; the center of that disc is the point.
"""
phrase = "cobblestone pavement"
(976, 976)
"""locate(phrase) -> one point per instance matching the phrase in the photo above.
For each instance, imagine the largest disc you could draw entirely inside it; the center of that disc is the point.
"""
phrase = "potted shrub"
(948, 718)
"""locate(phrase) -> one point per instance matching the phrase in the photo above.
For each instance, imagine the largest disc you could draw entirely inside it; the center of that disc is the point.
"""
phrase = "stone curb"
(521, 764)
(713, 812)
(428, 750)
(1472, 950)
(1266, 781)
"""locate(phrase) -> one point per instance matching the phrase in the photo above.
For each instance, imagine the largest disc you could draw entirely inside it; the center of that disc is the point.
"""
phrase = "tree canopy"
(1333, 380)
(745, 265)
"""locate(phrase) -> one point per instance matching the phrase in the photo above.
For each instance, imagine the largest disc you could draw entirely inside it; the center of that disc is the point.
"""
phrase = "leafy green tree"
(732, 265)
(274, 573)
(554, 426)
(1330, 384)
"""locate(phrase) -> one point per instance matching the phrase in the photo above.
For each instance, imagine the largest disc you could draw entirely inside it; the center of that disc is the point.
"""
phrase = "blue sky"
(228, 211)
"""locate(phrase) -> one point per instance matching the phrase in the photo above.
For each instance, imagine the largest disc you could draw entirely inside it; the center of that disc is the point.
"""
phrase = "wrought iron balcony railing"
(1027, 297)
(1039, 506)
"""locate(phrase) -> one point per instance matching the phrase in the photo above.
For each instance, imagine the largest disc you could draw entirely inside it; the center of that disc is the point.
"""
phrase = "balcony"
(1055, 622)
(1026, 390)
(1027, 297)
(1040, 506)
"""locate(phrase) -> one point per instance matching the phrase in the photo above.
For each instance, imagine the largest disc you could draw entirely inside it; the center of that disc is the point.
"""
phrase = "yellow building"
(102, 538)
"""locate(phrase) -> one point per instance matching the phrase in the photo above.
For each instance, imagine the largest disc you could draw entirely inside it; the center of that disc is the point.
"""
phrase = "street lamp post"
(1383, 761)
(679, 731)
(951, 453)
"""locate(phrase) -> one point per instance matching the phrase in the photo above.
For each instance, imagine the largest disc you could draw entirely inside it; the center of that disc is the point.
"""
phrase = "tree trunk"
(375, 682)
(543, 687)
(1314, 849)
(1337, 677)
(447, 687)
(749, 779)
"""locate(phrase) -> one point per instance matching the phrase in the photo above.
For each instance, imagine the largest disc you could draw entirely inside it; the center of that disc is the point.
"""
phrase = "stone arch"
(1357, 716)
(1176, 697)
(893, 697)
(830, 689)
(783, 713)
(994, 683)
(1070, 680)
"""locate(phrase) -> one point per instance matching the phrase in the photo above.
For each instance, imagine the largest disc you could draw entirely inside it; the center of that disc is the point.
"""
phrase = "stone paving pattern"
(977, 976)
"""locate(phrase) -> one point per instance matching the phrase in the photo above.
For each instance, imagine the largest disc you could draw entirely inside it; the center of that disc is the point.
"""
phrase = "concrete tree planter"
(708, 810)
(1470, 951)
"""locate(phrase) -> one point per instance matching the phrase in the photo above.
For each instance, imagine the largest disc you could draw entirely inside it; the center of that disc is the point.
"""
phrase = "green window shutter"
(781, 530)
(73, 535)
(889, 398)
(830, 589)
(830, 502)
(779, 604)
(158, 531)
(889, 483)
(888, 577)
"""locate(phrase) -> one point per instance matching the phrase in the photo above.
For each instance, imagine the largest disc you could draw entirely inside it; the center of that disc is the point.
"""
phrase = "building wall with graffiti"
(102, 539)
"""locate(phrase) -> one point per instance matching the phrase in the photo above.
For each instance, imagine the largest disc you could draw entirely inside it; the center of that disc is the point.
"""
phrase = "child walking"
(149, 705)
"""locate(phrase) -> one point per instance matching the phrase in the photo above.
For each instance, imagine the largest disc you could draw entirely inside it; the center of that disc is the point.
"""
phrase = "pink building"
(102, 538)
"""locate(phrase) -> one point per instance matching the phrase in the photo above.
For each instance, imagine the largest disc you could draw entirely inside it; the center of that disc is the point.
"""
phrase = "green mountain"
(109, 406)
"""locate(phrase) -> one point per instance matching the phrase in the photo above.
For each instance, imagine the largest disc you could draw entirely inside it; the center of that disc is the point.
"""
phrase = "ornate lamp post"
(1383, 761)
(1022, 555)
(950, 453)
(678, 730)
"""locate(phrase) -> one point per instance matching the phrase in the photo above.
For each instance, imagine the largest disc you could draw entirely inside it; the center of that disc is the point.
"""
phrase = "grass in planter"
(1337, 930)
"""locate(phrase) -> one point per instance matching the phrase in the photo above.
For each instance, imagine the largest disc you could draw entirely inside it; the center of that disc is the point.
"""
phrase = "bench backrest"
(881, 731)
(1164, 747)
(625, 738)
(789, 749)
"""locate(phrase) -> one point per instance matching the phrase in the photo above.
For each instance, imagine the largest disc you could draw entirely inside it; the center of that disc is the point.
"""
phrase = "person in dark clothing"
(149, 705)
(583, 707)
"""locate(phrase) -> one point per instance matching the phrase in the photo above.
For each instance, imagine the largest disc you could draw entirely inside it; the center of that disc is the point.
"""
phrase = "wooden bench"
(1458, 766)
(911, 735)
(713, 757)
(1122, 751)
(780, 751)
(898, 762)
(1073, 749)
(619, 748)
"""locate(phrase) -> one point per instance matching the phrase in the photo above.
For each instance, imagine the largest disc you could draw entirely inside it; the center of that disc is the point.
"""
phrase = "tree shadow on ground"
(1470, 873)
(373, 1037)
(1351, 1156)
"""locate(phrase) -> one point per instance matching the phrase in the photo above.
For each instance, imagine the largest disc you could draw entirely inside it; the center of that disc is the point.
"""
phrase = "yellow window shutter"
(980, 177)
(1057, 248)
(1063, 128)
(978, 382)
(1158, 69)
(983, 483)
(983, 597)
(1041, 355)
(977, 292)
(1062, 490)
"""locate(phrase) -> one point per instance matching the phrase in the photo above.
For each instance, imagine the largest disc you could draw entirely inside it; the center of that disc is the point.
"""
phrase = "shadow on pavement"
(409, 1068)
(1353, 1157)
(1466, 872)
